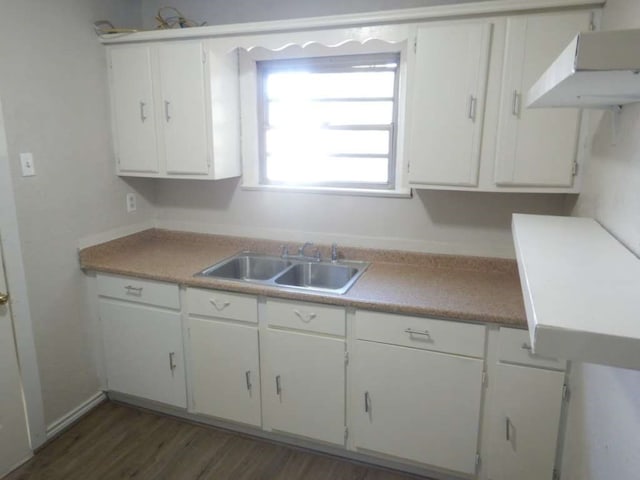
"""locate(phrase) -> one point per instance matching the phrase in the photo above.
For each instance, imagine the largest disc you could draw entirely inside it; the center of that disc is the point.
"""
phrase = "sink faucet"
(334, 252)
(303, 247)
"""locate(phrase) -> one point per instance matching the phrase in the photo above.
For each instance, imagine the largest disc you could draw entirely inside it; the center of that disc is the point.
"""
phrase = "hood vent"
(596, 70)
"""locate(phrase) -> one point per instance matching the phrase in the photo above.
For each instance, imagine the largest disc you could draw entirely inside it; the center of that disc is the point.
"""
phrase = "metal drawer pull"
(305, 317)
(143, 117)
(4, 298)
(172, 364)
(508, 429)
(278, 385)
(473, 101)
(166, 111)
(412, 331)
(248, 378)
(526, 346)
(367, 402)
(515, 104)
(131, 290)
(218, 306)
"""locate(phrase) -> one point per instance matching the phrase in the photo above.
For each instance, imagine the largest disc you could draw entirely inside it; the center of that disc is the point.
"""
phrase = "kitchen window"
(328, 122)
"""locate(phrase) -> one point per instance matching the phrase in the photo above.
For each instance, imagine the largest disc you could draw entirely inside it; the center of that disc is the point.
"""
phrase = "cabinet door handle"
(4, 298)
(166, 111)
(473, 102)
(367, 402)
(412, 331)
(143, 117)
(278, 385)
(172, 363)
(515, 104)
(305, 317)
(247, 376)
(131, 290)
(526, 346)
(508, 429)
(219, 306)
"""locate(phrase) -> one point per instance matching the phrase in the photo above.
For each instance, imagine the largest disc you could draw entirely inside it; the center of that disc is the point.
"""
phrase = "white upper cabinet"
(134, 125)
(536, 147)
(447, 103)
(167, 99)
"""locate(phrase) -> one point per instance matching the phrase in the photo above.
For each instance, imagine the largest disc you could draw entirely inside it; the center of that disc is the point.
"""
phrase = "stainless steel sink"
(302, 274)
(247, 266)
(318, 276)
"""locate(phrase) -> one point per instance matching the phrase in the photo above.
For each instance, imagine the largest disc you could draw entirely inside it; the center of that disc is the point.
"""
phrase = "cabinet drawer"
(424, 333)
(213, 303)
(141, 291)
(515, 347)
(306, 316)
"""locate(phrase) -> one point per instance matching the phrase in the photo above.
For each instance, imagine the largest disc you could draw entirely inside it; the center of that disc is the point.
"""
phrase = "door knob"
(4, 298)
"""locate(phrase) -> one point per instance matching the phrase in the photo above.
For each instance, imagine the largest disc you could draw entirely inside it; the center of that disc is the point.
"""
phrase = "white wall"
(603, 435)
(216, 12)
(54, 93)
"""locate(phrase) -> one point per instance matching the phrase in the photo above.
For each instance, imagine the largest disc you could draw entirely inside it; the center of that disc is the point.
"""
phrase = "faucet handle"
(334, 252)
(317, 255)
(284, 251)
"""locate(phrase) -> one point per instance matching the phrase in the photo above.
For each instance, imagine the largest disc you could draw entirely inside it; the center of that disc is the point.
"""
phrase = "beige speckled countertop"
(441, 286)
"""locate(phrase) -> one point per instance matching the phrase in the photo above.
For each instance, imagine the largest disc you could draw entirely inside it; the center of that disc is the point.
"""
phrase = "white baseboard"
(67, 420)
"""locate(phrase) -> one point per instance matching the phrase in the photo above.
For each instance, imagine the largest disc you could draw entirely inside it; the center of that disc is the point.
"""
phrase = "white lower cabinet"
(303, 373)
(413, 403)
(142, 343)
(225, 360)
(526, 410)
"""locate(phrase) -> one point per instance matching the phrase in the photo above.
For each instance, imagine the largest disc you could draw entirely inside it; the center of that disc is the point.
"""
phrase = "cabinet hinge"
(346, 358)
(565, 392)
(592, 21)
(477, 459)
(415, 45)
(204, 57)
(346, 433)
(574, 169)
(556, 474)
(484, 379)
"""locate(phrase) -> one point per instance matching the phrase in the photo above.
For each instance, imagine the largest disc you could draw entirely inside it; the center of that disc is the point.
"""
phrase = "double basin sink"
(297, 273)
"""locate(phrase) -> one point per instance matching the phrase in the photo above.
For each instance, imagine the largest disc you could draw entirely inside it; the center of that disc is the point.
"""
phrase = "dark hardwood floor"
(121, 442)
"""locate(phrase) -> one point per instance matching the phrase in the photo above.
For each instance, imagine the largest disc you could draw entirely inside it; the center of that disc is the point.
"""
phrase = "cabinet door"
(184, 119)
(526, 422)
(225, 370)
(536, 147)
(303, 385)
(143, 351)
(418, 405)
(133, 109)
(449, 87)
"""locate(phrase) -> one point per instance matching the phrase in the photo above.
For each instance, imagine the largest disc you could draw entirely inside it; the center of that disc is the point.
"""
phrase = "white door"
(133, 109)
(143, 351)
(416, 404)
(14, 439)
(184, 120)
(447, 105)
(225, 369)
(536, 146)
(526, 422)
(303, 385)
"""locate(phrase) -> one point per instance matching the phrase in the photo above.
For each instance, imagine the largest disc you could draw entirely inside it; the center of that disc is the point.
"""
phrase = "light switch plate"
(28, 167)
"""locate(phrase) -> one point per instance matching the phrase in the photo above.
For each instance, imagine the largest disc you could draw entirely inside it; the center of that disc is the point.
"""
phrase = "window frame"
(337, 63)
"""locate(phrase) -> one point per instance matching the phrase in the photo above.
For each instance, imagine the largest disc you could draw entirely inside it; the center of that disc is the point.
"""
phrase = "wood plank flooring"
(120, 442)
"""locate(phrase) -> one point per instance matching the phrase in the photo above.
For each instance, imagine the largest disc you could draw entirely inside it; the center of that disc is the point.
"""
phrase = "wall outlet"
(28, 168)
(131, 202)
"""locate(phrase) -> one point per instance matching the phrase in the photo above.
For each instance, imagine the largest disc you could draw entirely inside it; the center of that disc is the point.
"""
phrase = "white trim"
(351, 20)
(17, 465)
(64, 422)
(357, 192)
(21, 313)
(113, 234)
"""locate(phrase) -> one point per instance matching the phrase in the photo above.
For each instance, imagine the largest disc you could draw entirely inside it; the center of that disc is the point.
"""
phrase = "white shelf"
(596, 70)
(581, 290)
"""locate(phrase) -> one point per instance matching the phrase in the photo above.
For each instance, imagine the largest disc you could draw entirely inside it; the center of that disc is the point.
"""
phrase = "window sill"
(359, 192)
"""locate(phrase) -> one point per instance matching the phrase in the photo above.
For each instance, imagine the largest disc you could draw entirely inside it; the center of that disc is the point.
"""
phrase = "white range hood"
(597, 70)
